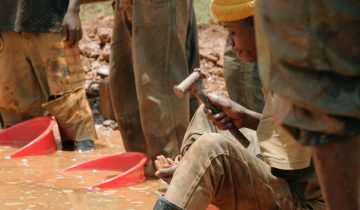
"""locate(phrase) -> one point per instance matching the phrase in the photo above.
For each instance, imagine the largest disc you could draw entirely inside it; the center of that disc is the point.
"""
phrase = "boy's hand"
(165, 168)
(72, 27)
(231, 113)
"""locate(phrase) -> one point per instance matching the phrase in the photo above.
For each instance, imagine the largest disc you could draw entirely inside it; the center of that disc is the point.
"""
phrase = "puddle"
(85, 177)
(37, 182)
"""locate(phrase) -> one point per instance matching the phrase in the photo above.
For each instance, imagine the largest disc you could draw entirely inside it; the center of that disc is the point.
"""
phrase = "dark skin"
(165, 168)
(241, 35)
(231, 113)
(72, 24)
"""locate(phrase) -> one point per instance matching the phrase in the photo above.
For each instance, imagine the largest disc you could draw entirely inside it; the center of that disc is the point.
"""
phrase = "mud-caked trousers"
(217, 169)
(39, 72)
(147, 59)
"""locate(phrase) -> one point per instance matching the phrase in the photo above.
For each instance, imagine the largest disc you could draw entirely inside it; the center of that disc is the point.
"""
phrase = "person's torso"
(314, 64)
(316, 35)
(32, 15)
(278, 147)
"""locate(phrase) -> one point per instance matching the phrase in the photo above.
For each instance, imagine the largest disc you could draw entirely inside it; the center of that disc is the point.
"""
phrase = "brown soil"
(95, 52)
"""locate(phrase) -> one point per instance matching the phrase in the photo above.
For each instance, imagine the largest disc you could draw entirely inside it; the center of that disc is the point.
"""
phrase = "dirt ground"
(95, 50)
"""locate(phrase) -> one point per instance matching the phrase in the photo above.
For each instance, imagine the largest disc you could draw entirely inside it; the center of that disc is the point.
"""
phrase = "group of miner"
(292, 73)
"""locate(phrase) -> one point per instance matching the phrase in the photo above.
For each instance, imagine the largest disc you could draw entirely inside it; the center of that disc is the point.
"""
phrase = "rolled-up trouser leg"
(60, 74)
(74, 117)
(158, 43)
(122, 84)
(217, 170)
(45, 67)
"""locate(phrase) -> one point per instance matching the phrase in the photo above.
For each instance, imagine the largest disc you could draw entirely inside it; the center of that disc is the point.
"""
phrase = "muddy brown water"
(36, 182)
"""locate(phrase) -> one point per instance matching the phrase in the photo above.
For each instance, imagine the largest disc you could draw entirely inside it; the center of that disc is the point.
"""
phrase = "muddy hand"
(165, 168)
(231, 113)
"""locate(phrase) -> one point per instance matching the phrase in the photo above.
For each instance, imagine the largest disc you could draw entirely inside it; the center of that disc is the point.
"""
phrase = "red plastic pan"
(32, 137)
(129, 164)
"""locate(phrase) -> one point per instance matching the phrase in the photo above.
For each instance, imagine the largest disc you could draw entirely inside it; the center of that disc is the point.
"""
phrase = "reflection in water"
(37, 182)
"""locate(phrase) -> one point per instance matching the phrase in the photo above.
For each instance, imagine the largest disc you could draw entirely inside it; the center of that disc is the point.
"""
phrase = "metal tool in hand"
(193, 84)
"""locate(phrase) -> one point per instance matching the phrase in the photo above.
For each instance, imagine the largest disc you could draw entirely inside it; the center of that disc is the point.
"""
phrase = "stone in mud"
(105, 54)
(104, 35)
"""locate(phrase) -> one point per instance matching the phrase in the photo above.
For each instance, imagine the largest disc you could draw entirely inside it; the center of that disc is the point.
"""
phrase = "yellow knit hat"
(232, 10)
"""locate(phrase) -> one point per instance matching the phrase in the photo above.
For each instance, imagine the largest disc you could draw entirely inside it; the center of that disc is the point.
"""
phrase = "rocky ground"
(95, 54)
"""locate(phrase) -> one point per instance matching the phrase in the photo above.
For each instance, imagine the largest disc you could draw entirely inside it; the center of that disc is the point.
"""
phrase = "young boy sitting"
(216, 169)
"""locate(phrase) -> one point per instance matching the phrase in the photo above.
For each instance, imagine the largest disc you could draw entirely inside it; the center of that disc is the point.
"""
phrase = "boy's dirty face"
(242, 39)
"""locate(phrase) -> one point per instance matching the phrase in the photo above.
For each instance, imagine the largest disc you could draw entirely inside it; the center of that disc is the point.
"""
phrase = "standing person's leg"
(122, 82)
(59, 72)
(20, 94)
(192, 41)
(338, 167)
(1, 121)
(159, 34)
(192, 52)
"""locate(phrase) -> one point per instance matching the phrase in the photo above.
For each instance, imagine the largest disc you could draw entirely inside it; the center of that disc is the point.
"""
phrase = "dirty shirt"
(32, 15)
(314, 66)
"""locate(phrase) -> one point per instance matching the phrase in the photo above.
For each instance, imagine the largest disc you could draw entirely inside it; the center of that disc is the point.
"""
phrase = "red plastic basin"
(33, 137)
(212, 207)
(131, 165)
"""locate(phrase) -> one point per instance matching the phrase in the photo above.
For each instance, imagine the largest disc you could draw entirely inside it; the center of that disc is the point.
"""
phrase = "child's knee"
(216, 143)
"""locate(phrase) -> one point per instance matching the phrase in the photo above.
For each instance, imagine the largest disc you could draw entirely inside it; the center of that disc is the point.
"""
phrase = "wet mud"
(37, 182)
